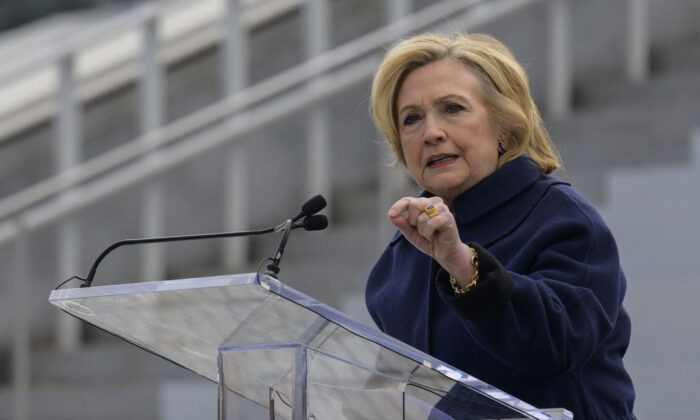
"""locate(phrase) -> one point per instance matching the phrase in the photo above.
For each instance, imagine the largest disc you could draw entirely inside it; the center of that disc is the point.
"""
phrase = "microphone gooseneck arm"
(273, 268)
(88, 281)
(310, 222)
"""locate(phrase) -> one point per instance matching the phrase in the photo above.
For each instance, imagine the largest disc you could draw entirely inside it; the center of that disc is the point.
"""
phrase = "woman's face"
(448, 138)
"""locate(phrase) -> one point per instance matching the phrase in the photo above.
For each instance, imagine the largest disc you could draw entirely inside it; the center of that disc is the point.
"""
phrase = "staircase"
(615, 127)
(110, 379)
(625, 125)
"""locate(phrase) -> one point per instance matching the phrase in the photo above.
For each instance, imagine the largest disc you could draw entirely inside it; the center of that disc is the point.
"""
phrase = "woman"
(498, 268)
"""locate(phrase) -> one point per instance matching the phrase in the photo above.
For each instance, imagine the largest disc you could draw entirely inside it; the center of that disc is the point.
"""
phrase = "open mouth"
(439, 160)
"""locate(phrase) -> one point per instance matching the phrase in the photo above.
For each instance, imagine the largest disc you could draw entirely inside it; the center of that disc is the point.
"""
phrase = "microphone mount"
(311, 221)
(273, 268)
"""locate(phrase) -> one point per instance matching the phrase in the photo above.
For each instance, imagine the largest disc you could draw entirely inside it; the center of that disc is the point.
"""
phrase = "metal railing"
(161, 147)
(106, 54)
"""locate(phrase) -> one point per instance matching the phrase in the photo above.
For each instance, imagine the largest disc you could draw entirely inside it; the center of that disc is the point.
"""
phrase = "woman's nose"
(433, 130)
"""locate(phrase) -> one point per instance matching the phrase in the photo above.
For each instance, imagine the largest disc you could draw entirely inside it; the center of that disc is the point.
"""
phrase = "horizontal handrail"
(29, 87)
(260, 92)
(135, 172)
(50, 54)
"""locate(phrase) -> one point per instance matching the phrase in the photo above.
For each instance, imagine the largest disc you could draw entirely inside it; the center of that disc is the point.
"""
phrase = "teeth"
(440, 160)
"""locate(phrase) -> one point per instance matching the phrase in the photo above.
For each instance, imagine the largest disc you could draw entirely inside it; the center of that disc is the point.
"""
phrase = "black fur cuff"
(493, 288)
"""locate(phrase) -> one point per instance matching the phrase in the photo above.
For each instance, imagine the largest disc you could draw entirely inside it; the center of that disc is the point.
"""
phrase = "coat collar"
(484, 202)
(501, 186)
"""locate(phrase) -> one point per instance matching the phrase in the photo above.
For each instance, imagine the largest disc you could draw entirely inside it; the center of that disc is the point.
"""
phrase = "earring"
(501, 148)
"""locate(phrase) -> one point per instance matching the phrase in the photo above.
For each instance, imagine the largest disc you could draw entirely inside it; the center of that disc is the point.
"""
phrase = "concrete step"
(108, 400)
(109, 359)
(111, 400)
(673, 61)
(111, 379)
(682, 56)
(626, 126)
(665, 87)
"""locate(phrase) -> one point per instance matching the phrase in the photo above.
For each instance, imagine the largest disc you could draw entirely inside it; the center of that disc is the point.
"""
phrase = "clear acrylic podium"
(300, 359)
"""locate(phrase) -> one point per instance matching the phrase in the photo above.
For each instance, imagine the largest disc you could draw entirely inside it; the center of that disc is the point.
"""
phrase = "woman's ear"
(504, 142)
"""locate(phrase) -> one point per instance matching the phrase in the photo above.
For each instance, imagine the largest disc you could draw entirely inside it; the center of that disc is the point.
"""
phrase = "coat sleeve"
(493, 289)
(561, 307)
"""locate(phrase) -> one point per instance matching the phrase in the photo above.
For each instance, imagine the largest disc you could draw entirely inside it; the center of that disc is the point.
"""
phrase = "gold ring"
(431, 210)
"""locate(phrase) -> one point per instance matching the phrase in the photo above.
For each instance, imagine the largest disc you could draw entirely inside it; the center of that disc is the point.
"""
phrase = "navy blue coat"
(553, 331)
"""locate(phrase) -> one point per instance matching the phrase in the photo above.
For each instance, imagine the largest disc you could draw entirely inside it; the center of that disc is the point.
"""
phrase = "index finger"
(400, 206)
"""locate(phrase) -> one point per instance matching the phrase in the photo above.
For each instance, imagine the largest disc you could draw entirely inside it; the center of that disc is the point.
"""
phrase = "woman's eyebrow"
(408, 107)
(452, 96)
(441, 99)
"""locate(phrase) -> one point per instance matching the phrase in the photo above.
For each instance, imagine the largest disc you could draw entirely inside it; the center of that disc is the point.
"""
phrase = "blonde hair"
(502, 80)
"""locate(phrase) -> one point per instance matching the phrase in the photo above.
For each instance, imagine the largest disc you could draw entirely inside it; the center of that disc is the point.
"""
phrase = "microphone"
(311, 207)
(313, 222)
(310, 222)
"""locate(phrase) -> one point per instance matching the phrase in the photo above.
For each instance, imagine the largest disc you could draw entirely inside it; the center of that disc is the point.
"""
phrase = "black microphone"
(311, 207)
(313, 222)
(310, 223)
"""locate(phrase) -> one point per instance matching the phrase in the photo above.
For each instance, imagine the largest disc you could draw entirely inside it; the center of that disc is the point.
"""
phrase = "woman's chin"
(447, 187)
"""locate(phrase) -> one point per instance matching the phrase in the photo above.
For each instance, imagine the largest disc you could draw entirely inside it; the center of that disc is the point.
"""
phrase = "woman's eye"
(453, 108)
(410, 119)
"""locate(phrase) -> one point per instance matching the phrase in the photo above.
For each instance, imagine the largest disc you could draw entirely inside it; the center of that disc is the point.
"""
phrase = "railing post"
(393, 182)
(21, 340)
(695, 145)
(637, 42)
(235, 48)
(392, 178)
(317, 40)
(68, 253)
(152, 116)
(396, 9)
(236, 206)
(67, 153)
(234, 78)
(559, 59)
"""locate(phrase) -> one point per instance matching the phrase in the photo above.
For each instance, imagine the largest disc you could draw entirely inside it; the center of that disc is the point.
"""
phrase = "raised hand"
(436, 236)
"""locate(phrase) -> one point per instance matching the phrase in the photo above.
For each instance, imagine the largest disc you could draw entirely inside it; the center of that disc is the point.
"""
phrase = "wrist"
(462, 268)
(460, 289)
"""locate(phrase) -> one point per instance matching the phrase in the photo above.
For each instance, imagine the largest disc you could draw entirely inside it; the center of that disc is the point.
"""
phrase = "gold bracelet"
(453, 281)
